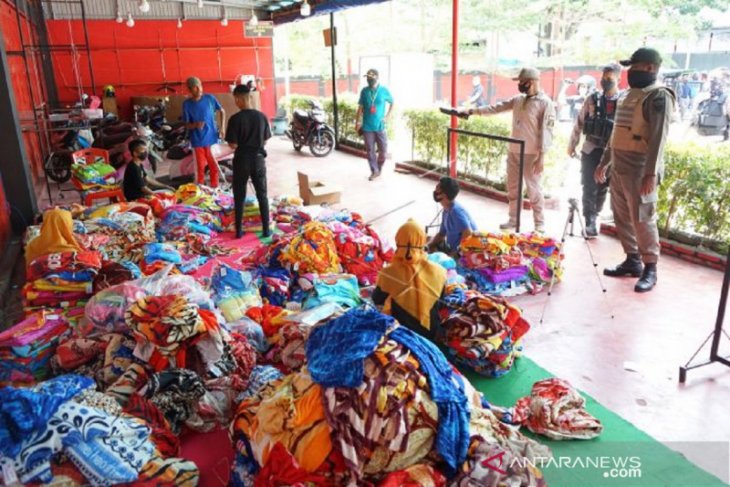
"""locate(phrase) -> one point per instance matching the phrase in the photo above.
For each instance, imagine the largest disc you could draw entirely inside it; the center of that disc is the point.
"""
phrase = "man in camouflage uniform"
(635, 156)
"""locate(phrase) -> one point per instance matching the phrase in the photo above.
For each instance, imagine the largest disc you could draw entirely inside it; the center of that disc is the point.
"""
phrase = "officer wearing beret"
(635, 158)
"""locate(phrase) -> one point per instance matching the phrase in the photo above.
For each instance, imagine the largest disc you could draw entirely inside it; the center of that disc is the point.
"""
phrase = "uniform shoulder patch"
(659, 102)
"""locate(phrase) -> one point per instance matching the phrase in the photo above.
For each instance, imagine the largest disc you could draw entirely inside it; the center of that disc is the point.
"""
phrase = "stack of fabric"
(117, 230)
(207, 199)
(252, 215)
(509, 264)
(312, 250)
(158, 256)
(234, 292)
(484, 333)
(360, 250)
(64, 428)
(341, 289)
(26, 348)
(98, 176)
(390, 395)
(555, 409)
(283, 437)
(179, 220)
(288, 214)
(63, 280)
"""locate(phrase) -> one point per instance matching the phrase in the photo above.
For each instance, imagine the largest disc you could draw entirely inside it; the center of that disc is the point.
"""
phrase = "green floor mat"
(622, 455)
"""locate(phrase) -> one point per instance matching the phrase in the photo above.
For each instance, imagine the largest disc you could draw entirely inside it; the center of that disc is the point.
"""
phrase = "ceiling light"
(130, 20)
(305, 10)
(144, 6)
(120, 19)
(253, 21)
(200, 4)
(179, 23)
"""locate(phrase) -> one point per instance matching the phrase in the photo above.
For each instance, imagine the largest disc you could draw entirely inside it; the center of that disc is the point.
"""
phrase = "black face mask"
(142, 156)
(608, 84)
(523, 87)
(372, 83)
(641, 79)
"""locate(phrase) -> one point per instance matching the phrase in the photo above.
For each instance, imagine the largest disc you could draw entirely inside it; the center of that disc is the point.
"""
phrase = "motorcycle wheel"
(58, 166)
(320, 145)
(297, 145)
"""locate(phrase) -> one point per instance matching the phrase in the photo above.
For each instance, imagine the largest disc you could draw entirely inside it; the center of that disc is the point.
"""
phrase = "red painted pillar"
(454, 80)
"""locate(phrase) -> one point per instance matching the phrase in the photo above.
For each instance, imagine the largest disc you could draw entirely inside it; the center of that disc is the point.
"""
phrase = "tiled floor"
(588, 337)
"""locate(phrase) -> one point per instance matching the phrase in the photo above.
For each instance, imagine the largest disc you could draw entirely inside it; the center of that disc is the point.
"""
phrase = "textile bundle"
(484, 333)
(27, 347)
(62, 280)
(98, 176)
(509, 264)
(277, 346)
(555, 409)
(360, 250)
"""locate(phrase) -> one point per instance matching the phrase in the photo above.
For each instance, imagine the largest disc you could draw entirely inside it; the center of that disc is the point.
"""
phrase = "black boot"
(239, 232)
(630, 267)
(648, 279)
(591, 230)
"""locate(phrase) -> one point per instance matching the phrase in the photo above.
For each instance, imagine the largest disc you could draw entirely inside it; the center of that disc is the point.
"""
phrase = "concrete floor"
(590, 338)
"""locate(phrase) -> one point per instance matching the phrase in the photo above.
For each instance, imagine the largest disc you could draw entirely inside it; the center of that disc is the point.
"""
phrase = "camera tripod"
(573, 211)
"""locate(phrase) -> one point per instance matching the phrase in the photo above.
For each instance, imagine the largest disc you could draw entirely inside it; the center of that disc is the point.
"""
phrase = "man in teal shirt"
(374, 116)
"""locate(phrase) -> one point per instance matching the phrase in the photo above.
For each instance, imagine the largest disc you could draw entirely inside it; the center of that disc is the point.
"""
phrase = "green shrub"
(479, 159)
(695, 194)
(295, 102)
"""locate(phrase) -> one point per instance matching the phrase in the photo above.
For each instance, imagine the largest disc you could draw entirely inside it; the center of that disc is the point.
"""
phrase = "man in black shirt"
(136, 181)
(247, 133)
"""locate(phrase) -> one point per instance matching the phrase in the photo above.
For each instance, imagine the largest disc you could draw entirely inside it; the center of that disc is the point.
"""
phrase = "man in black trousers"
(247, 133)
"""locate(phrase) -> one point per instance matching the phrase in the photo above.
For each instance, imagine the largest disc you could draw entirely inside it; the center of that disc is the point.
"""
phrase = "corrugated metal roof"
(159, 9)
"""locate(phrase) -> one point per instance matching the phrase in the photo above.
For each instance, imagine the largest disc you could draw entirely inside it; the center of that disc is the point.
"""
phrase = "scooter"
(184, 170)
(58, 165)
(309, 128)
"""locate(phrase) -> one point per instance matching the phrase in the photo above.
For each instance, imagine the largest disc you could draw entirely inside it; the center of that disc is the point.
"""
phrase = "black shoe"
(648, 279)
(266, 233)
(631, 267)
(239, 233)
(591, 230)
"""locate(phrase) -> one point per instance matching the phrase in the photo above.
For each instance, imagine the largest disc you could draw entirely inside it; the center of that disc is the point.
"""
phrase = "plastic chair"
(82, 156)
(88, 196)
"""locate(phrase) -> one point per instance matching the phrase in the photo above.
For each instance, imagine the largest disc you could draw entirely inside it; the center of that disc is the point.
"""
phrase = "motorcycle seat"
(301, 115)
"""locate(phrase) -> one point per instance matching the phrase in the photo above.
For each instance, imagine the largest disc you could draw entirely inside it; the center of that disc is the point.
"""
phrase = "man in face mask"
(373, 99)
(635, 157)
(533, 118)
(595, 121)
(456, 222)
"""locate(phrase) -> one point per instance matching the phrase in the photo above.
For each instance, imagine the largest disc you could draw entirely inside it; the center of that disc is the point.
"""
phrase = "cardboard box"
(316, 192)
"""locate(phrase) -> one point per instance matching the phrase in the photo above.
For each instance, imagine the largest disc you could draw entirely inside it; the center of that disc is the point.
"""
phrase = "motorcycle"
(166, 134)
(77, 136)
(309, 128)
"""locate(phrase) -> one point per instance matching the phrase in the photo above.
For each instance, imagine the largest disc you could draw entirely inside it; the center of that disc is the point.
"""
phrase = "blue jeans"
(371, 139)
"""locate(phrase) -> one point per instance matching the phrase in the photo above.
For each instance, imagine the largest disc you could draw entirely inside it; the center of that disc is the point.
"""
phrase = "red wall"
(22, 89)
(501, 87)
(139, 60)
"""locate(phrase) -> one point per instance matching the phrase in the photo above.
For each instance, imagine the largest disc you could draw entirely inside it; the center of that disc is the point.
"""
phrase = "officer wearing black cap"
(595, 121)
(635, 157)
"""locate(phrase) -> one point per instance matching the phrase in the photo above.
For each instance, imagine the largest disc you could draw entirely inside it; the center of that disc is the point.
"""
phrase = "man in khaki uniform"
(635, 156)
(533, 118)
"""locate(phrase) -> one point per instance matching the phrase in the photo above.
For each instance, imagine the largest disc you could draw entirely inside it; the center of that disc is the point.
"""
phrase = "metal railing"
(509, 140)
